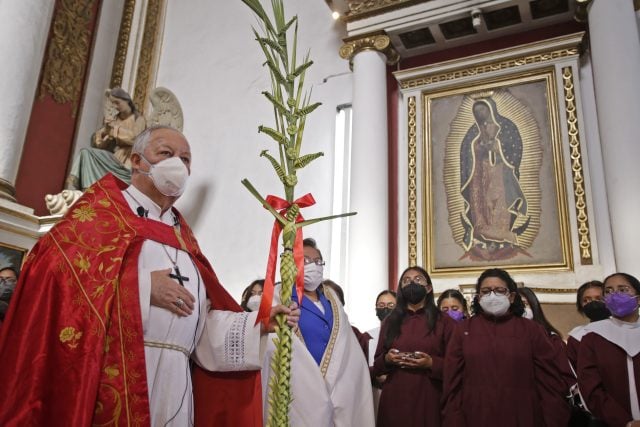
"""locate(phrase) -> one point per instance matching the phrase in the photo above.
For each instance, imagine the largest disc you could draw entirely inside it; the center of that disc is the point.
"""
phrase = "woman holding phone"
(411, 349)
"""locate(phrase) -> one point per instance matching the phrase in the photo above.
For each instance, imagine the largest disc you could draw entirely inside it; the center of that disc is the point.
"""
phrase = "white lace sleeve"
(230, 341)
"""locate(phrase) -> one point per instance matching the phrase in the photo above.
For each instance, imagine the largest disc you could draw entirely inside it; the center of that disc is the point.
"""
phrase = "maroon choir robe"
(411, 397)
(502, 372)
(603, 378)
(572, 351)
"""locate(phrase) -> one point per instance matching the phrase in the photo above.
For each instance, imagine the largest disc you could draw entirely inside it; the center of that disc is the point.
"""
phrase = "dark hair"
(632, 280)
(396, 317)
(118, 92)
(336, 288)
(456, 294)
(15, 270)
(517, 306)
(387, 292)
(312, 244)
(538, 314)
(246, 294)
(583, 288)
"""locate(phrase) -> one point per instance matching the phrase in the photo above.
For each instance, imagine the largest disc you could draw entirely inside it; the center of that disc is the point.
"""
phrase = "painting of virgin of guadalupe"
(494, 177)
(496, 212)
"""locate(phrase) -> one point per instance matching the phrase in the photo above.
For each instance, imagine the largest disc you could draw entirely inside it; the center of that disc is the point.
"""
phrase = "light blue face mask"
(169, 176)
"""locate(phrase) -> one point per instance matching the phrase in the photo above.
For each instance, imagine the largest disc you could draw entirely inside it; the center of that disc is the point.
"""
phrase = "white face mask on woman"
(528, 313)
(169, 175)
(253, 303)
(312, 276)
(496, 305)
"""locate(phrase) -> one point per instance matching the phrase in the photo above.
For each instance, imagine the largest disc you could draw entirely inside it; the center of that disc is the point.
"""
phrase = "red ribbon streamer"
(282, 206)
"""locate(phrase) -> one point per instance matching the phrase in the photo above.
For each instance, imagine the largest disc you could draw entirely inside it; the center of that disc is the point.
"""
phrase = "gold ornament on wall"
(117, 71)
(579, 193)
(68, 52)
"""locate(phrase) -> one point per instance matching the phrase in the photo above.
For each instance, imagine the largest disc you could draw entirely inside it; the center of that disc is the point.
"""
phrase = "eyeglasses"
(420, 280)
(497, 291)
(317, 261)
(8, 280)
(387, 305)
(623, 289)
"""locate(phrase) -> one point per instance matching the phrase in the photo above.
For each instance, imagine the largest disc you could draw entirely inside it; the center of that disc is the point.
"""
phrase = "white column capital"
(376, 42)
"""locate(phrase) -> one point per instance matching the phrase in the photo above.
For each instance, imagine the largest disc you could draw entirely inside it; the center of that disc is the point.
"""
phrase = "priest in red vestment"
(114, 303)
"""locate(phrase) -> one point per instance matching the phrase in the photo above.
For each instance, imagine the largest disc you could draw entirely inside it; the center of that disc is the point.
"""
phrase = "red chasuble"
(71, 347)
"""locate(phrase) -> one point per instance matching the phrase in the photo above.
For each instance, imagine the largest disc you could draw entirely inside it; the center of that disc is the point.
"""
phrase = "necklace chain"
(175, 263)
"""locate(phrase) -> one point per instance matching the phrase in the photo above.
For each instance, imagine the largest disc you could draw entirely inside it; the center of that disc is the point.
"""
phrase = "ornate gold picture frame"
(493, 160)
(11, 256)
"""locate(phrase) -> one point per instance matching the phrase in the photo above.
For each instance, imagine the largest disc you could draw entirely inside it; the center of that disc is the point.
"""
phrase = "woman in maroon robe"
(500, 368)
(609, 356)
(589, 302)
(411, 350)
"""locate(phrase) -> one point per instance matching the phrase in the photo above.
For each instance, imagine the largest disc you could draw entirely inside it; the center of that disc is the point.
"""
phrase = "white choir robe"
(336, 397)
(217, 340)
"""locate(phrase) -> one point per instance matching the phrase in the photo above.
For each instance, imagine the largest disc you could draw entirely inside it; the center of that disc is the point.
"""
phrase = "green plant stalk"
(291, 105)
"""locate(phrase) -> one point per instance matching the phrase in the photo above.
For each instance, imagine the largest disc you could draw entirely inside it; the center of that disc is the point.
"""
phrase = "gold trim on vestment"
(328, 352)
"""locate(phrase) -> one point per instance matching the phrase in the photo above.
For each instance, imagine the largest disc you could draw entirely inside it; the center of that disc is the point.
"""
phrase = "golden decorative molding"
(413, 183)
(378, 42)
(117, 71)
(490, 67)
(7, 190)
(360, 9)
(576, 167)
(68, 51)
(147, 53)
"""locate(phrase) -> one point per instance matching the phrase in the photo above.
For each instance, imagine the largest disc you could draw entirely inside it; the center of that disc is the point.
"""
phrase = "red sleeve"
(562, 361)
(444, 329)
(453, 415)
(598, 401)
(380, 366)
(549, 385)
(572, 351)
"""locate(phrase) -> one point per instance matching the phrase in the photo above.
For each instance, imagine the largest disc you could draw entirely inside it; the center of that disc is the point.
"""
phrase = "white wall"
(212, 63)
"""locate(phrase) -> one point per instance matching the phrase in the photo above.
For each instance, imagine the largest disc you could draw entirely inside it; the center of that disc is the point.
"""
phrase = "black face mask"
(596, 310)
(382, 313)
(413, 293)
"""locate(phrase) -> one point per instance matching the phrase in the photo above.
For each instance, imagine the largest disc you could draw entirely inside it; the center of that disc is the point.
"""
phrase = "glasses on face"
(387, 305)
(8, 281)
(420, 280)
(623, 289)
(497, 291)
(309, 260)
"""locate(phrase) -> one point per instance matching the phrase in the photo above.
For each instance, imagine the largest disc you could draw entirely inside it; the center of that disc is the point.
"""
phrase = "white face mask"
(312, 276)
(169, 176)
(254, 302)
(528, 313)
(496, 305)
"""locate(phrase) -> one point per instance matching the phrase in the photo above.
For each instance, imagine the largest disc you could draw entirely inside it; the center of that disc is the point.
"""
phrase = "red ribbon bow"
(298, 256)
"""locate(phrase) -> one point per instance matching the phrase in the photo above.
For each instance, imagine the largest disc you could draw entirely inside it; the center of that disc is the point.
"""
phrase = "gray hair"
(142, 140)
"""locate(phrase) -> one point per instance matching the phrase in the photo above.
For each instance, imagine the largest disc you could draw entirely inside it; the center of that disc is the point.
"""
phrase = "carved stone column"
(617, 86)
(24, 26)
(368, 57)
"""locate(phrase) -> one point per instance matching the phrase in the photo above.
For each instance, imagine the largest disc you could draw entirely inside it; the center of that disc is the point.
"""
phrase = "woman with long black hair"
(411, 350)
(500, 369)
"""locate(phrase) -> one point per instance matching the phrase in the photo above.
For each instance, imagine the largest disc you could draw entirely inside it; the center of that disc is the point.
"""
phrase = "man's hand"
(168, 294)
(293, 316)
